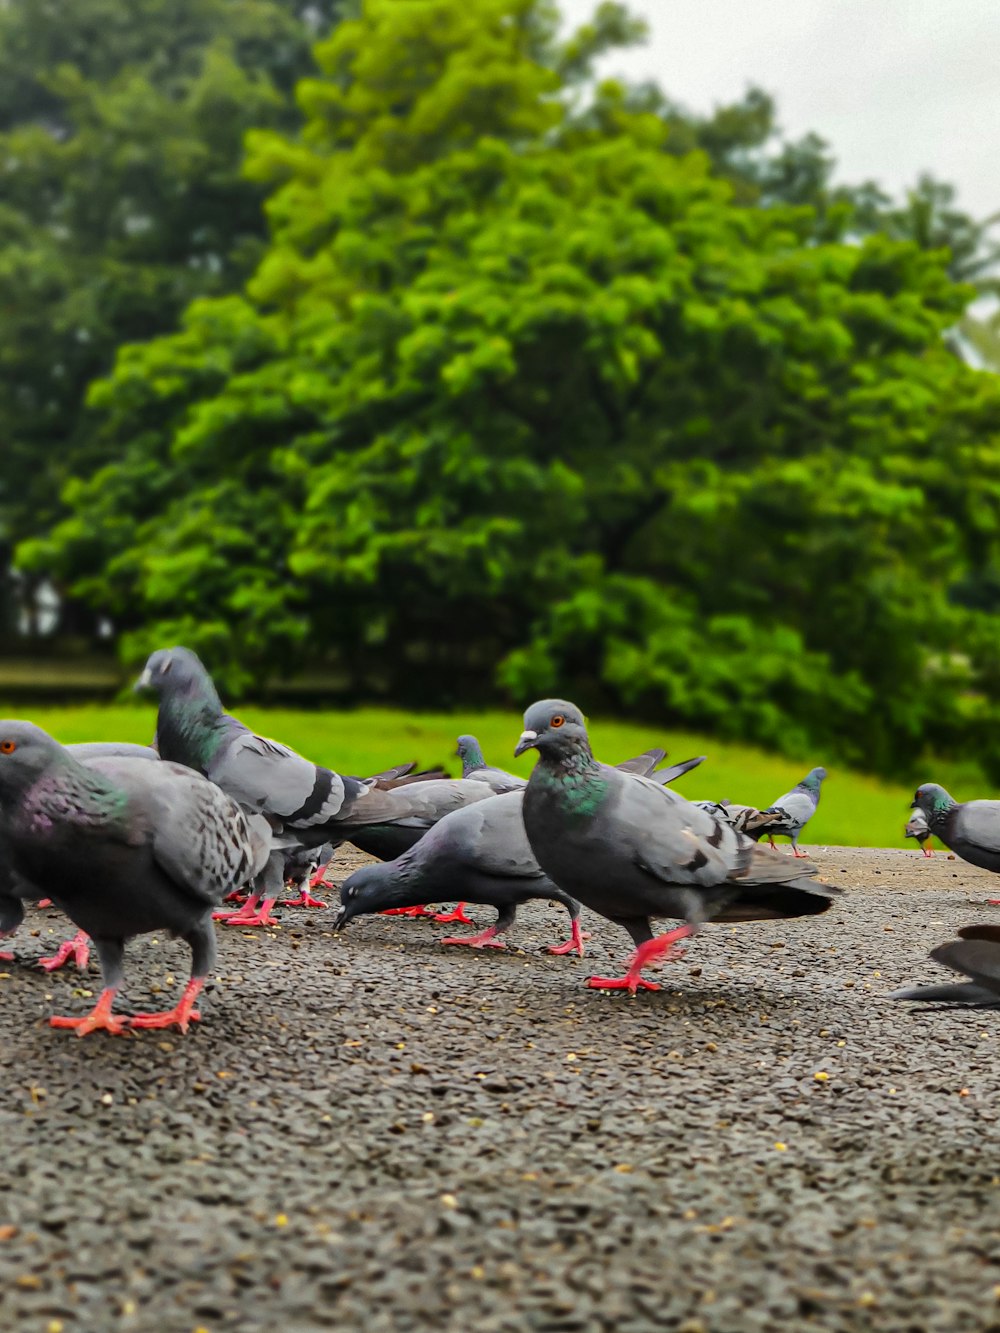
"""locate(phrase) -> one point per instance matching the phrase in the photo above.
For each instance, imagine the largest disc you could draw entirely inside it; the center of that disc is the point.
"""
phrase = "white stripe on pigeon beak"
(528, 736)
(144, 679)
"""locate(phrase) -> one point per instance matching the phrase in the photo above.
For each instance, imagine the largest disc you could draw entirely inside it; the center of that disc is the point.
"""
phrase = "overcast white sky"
(895, 87)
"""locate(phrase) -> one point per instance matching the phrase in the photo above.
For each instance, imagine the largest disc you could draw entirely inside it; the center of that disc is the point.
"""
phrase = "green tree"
(121, 142)
(518, 395)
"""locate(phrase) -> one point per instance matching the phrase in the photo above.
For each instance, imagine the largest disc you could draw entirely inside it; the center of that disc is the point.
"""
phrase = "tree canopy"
(525, 395)
(121, 145)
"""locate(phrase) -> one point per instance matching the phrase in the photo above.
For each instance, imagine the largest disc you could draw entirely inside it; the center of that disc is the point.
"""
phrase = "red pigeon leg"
(305, 899)
(237, 896)
(78, 948)
(457, 913)
(927, 851)
(44, 902)
(100, 1018)
(180, 1016)
(406, 911)
(575, 941)
(660, 949)
(6, 957)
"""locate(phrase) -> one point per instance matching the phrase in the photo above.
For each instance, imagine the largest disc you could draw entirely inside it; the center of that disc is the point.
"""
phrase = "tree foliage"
(121, 142)
(520, 397)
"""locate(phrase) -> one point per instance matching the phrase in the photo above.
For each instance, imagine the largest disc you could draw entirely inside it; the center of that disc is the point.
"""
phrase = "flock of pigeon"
(127, 839)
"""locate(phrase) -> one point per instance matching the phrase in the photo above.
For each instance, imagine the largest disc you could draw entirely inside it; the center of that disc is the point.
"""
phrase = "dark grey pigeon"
(123, 847)
(793, 810)
(76, 948)
(631, 849)
(976, 954)
(916, 827)
(970, 829)
(305, 868)
(479, 853)
(305, 802)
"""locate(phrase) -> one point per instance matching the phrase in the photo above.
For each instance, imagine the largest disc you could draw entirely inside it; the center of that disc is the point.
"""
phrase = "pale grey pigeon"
(632, 849)
(976, 954)
(794, 811)
(476, 769)
(480, 852)
(916, 827)
(124, 847)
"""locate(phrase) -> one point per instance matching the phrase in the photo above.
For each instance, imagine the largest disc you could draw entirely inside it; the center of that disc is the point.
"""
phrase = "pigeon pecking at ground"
(632, 849)
(305, 803)
(976, 954)
(916, 827)
(124, 847)
(791, 812)
(971, 829)
(481, 851)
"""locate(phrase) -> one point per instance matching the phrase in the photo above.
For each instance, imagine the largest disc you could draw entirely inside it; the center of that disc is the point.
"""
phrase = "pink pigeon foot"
(100, 1018)
(486, 940)
(78, 948)
(659, 949)
(250, 915)
(179, 1017)
(575, 942)
(406, 911)
(305, 899)
(456, 914)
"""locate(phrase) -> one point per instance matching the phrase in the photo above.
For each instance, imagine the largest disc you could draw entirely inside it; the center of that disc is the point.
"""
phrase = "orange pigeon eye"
(557, 721)
(7, 747)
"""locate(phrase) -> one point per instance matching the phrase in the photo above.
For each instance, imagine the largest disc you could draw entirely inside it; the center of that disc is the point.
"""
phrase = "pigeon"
(632, 849)
(77, 948)
(123, 847)
(482, 851)
(976, 954)
(970, 829)
(916, 827)
(305, 869)
(795, 809)
(304, 802)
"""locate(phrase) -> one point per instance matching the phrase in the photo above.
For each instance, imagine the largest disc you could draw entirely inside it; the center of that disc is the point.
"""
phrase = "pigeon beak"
(527, 742)
(914, 805)
(340, 920)
(144, 681)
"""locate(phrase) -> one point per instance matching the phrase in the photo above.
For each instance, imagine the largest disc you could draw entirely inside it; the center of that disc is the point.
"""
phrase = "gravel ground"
(374, 1131)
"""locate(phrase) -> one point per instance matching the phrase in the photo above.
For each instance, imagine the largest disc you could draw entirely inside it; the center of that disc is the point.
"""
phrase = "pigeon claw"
(628, 983)
(78, 948)
(100, 1019)
(575, 942)
(406, 911)
(456, 914)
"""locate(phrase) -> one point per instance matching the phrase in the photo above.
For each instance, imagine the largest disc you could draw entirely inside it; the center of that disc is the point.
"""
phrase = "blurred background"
(439, 356)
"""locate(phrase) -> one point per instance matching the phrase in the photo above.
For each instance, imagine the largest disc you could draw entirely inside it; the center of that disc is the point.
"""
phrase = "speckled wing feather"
(264, 775)
(198, 835)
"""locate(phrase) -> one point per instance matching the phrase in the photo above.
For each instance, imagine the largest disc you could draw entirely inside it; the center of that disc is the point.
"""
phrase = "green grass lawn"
(856, 810)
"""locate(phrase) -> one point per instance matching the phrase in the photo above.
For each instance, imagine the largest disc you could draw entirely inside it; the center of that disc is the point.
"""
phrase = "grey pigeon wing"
(676, 841)
(797, 807)
(417, 805)
(84, 751)
(263, 775)
(643, 764)
(489, 837)
(498, 780)
(978, 823)
(200, 838)
(674, 771)
(948, 992)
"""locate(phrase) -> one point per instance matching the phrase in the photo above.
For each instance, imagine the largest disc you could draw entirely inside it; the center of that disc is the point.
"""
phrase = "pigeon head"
(813, 779)
(553, 727)
(170, 670)
(916, 825)
(932, 800)
(362, 893)
(470, 753)
(26, 751)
